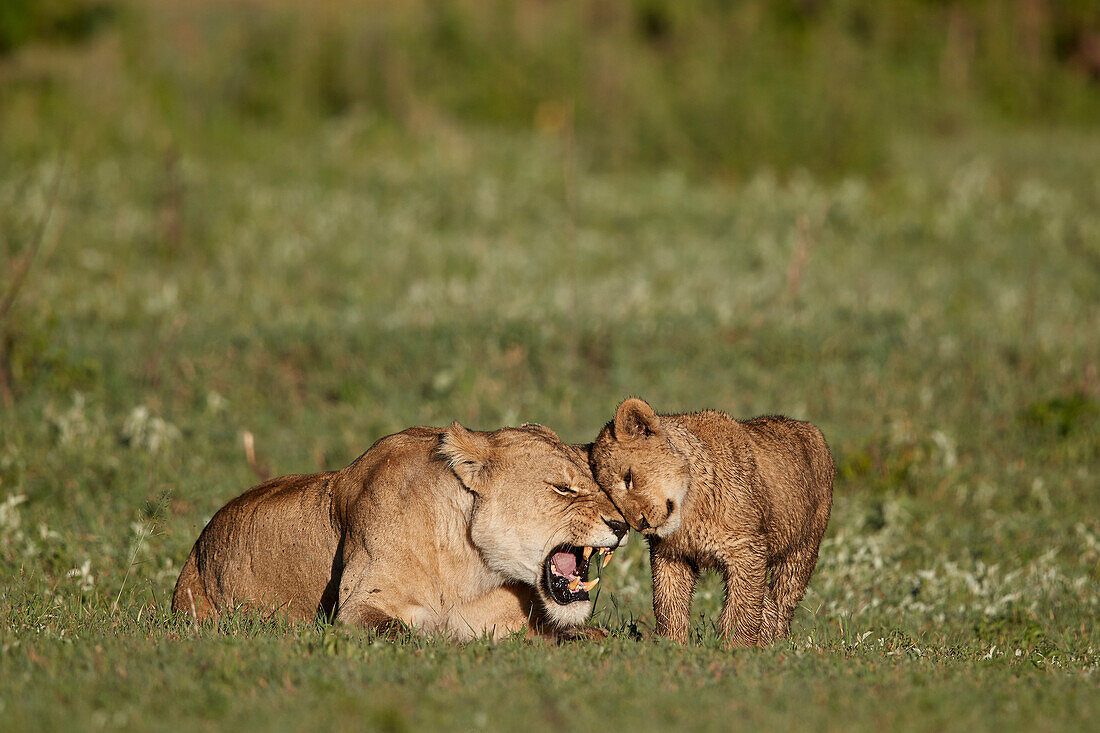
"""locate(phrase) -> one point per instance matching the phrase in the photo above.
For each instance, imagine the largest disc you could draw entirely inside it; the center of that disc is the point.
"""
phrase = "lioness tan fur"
(747, 498)
(442, 530)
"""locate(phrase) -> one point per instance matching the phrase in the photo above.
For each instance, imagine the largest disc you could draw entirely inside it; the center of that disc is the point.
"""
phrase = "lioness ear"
(467, 453)
(635, 419)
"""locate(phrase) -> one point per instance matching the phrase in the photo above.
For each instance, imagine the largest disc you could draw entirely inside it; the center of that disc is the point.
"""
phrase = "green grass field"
(321, 285)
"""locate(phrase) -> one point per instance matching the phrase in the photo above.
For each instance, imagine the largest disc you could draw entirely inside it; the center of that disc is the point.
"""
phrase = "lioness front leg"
(579, 633)
(673, 585)
(745, 573)
(376, 620)
(509, 609)
(361, 600)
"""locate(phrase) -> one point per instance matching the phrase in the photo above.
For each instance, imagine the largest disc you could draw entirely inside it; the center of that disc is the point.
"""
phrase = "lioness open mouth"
(565, 572)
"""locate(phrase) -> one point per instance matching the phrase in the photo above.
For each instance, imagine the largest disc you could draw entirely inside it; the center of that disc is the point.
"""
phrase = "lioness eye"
(628, 480)
(564, 489)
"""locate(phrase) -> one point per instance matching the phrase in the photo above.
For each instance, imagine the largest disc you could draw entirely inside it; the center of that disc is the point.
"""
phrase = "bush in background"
(22, 21)
(713, 87)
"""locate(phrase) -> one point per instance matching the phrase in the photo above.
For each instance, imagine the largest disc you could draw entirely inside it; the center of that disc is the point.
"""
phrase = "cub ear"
(468, 453)
(635, 419)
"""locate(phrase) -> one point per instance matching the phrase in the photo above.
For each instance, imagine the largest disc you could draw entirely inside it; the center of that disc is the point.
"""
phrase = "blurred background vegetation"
(322, 222)
(712, 86)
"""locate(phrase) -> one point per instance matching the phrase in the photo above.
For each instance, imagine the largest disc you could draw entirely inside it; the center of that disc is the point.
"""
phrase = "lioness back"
(269, 548)
(275, 547)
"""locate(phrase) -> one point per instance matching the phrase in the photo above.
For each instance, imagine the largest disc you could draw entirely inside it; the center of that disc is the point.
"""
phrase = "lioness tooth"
(574, 584)
(607, 558)
(590, 584)
(587, 552)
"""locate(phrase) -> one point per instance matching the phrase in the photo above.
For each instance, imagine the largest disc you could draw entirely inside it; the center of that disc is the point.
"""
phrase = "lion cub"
(747, 498)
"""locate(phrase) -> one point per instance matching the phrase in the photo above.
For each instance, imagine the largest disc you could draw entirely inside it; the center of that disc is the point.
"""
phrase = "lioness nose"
(617, 526)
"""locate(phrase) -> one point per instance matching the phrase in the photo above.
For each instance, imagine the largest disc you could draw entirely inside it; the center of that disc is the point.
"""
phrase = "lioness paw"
(582, 633)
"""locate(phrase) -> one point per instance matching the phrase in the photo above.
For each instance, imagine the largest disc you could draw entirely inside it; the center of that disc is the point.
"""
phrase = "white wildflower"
(215, 403)
(945, 444)
(76, 425)
(142, 429)
(84, 574)
(9, 519)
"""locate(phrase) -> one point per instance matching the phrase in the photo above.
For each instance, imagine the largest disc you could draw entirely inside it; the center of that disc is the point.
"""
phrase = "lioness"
(708, 491)
(442, 530)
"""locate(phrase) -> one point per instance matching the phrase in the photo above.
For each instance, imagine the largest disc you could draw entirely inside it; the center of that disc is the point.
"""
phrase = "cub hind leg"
(788, 585)
(771, 617)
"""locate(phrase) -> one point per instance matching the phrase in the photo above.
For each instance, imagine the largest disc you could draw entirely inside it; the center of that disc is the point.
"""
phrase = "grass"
(322, 286)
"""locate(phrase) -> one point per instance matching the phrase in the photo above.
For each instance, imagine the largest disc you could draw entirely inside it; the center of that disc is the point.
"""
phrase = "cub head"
(639, 468)
(538, 515)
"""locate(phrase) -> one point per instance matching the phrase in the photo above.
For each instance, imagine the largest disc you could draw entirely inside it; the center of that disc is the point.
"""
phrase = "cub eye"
(564, 489)
(628, 481)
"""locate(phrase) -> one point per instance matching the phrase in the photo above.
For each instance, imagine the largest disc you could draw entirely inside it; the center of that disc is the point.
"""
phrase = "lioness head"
(538, 514)
(643, 473)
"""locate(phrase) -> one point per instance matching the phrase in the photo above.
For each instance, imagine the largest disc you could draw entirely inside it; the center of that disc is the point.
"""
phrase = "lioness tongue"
(564, 562)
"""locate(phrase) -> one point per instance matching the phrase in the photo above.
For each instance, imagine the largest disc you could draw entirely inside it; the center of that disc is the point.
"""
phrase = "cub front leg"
(745, 570)
(673, 585)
